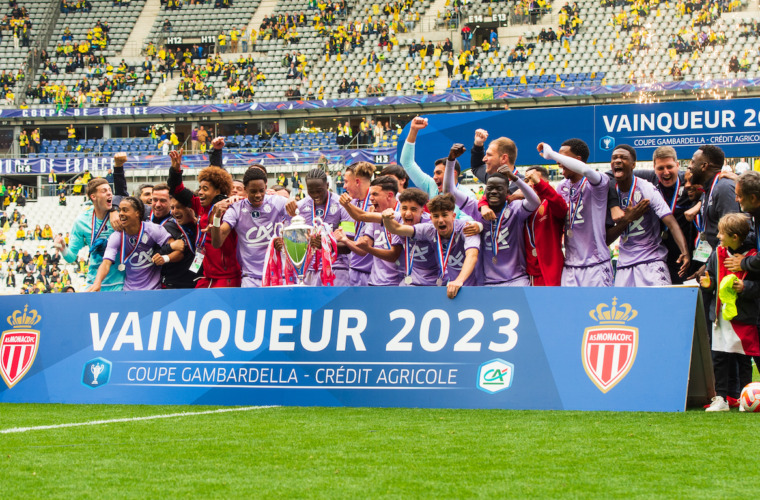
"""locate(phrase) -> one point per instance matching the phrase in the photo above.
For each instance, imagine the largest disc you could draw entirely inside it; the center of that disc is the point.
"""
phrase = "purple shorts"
(358, 278)
(596, 275)
(647, 274)
(251, 282)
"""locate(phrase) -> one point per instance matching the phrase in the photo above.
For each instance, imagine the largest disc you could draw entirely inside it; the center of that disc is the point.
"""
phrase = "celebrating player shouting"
(642, 260)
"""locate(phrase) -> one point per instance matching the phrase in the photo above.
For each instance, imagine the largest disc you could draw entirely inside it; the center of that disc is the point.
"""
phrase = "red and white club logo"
(609, 349)
(18, 346)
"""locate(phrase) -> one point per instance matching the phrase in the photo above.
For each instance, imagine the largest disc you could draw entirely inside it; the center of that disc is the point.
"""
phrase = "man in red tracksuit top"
(543, 231)
(220, 266)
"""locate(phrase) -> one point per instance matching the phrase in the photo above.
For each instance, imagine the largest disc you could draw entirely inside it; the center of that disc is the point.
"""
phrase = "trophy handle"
(278, 229)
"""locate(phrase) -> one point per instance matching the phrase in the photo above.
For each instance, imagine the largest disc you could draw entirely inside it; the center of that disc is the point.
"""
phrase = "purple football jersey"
(585, 234)
(460, 244)
(510, 244)
(383, 273)
(642, 241)
(255, 229)
(357, 263)
(424, 264)
(141, 273)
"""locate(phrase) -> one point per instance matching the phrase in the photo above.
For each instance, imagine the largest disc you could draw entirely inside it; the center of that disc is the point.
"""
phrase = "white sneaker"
(718, 404)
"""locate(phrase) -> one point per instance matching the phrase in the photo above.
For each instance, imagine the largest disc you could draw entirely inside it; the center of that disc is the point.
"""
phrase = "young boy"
(734, 311)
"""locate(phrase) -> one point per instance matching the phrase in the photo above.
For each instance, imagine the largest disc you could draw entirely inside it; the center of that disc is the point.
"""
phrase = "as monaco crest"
(609, 349)
(18, 346)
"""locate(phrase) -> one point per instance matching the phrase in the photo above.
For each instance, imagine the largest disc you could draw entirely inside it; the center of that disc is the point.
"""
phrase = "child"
(733, 311)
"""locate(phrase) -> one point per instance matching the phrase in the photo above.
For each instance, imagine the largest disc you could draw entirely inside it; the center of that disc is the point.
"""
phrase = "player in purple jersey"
(502, 242)
(456, 254)
(376, 240)
(418, 264)
(357, 178)
(253, 219)
(133, 248)
(322, 204)
(642, 260)
(587, 256)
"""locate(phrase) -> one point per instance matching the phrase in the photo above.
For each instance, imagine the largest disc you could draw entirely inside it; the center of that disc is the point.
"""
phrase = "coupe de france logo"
(606, 143)
(609, 349)
(495, 375)
(18, 346)
(96, 373)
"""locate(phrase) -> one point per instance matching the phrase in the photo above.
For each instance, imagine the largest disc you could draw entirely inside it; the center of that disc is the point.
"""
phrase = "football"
(750, 398)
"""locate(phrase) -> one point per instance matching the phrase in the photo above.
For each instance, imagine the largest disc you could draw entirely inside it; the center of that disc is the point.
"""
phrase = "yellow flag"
(422, 65)
(558, 78)
(339, 58)
(437, 72)
(382, 80)
(551, 57)
(523, 80)
(542, 71)
(364, 61)
(377, 68)
(532, 66)
(509, 72)
(407, 66)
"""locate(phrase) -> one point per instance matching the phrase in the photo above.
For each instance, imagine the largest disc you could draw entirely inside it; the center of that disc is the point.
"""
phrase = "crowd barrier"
(620, 349)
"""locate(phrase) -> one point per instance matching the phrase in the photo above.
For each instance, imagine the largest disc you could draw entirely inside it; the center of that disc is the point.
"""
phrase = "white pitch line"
(130, 419)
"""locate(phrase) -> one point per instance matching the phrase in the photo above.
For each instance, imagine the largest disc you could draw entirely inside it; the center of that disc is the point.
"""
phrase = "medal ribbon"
(94, 235)
(364, 207)
(574, 207)
(627, 203)
(409, 256)
(124, 244)
(200, 243)
(706, 205)
(387, 234)
(675, 195)
(495, 231)
(314, 208)
(187, 238)
(531, 228)
(162, 222)
(443, 261)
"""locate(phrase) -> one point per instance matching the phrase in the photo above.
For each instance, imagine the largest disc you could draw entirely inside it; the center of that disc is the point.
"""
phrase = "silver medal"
(408, 280)
(494, 259)
(570, 233)
(122, 267)
(439, 282)
(535, 254)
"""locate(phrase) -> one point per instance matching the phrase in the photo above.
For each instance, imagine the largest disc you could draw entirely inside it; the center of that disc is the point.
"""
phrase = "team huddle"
(522, 232)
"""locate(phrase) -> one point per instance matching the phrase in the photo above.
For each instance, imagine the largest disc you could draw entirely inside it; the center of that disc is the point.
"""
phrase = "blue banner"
(51, 112)
(532, 348)
(94, 162)
(732, 124)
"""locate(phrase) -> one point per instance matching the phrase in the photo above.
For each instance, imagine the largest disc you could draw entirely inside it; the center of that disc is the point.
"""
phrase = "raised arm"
(119, 179)
(215, 157)
(450, 174)
(357, 213)
(416, 175)
(394, 227)
(573, 164)
(532, 201)
(477, 166)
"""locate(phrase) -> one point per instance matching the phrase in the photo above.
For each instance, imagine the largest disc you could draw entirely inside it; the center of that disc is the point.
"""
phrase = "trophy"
(96, 370)
(295, 239)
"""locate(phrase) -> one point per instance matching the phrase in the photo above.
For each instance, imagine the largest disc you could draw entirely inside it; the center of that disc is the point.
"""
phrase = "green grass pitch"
(372, 453)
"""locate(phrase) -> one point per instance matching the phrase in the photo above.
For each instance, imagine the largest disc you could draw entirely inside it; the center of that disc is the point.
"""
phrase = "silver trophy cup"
(295, 239)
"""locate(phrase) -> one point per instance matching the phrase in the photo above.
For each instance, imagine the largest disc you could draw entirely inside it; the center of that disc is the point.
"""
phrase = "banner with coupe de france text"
(517, 348)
